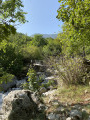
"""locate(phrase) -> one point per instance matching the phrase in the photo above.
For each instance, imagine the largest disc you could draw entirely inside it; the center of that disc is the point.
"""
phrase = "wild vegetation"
(11, 13)
(67, 56)
(72, 46)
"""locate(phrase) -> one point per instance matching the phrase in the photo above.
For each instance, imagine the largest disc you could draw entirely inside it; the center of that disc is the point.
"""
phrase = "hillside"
(47, 35)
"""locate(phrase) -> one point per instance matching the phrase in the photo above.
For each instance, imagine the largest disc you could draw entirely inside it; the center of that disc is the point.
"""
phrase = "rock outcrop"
(19, 105)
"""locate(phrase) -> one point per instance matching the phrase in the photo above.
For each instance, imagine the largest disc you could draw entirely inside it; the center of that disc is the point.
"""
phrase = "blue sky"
(41, 16)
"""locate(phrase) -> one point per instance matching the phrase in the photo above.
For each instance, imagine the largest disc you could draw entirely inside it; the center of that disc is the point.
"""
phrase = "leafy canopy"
(11, 14)
(76, 30)
(75, 12)
(38, 40)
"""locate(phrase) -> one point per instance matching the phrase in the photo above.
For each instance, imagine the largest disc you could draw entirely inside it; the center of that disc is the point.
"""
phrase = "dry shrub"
(69, 70)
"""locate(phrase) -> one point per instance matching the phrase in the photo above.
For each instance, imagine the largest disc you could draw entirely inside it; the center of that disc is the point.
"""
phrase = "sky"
(41, 16)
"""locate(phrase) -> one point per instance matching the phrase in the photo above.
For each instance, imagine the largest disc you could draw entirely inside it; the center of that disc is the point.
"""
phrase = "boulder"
(19, 105)
(76, 114)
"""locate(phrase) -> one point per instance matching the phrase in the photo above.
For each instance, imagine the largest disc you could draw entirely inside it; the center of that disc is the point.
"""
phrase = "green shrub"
(31, 53)
(38, 40)
(53, 48)
(4, 76)
(10, 60)
(32, 84)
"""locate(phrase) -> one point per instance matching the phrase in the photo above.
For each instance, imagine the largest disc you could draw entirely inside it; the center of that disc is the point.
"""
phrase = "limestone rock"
(35, 97)
(19, 105)
(51, 116)
(69, 118)
(41, 107)
(89, 118)
(76, 114)
(43, 90)
(60, 109)
(55, 102)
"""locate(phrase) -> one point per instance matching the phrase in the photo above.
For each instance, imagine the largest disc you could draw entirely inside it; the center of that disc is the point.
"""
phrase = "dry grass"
(69, 96)
(74, 94)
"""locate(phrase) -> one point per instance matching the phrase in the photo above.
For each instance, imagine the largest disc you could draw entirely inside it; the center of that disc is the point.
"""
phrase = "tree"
(76, 17)
(53, 48)
(11, 61)
(11, 13)
(75, 12)
(39, 41)
(19, 40)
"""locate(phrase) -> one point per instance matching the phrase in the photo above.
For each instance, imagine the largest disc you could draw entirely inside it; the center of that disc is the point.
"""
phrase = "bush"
(31, 53)
(53, 48)
(4, 76)
(38, 40)
(32, 84)
(35, 82)
(10, 60)
(70, 70)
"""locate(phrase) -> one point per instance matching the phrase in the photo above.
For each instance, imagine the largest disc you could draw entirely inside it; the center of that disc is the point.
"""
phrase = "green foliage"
(53, 48)
(31, 53)
(38, 40)
(19, 40)
(48, 84)
(4, 76)
(11, 13)
(75, 12)
(33, 84)
(10, 60)
(76, 30)
(74, 43)
(6, 30)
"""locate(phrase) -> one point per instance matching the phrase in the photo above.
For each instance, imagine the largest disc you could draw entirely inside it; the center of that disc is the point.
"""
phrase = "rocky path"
(61, 111)
(57, 110)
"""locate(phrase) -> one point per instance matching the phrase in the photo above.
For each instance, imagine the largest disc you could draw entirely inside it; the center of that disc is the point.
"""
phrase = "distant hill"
(47, 35)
